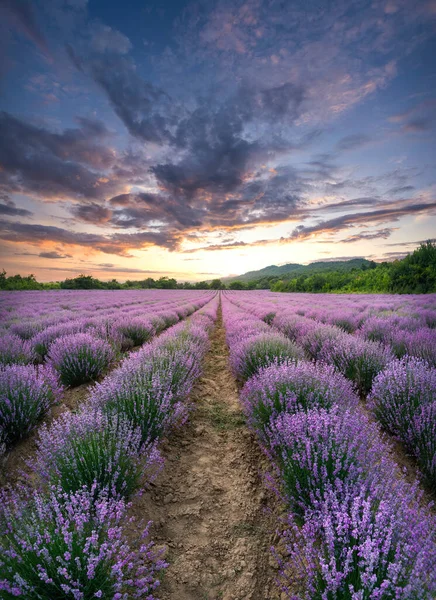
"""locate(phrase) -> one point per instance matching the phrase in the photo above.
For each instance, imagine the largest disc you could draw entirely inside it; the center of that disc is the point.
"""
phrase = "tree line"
(414, 274)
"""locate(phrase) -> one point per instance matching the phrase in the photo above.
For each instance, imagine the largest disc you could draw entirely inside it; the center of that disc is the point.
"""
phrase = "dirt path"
(209, 504)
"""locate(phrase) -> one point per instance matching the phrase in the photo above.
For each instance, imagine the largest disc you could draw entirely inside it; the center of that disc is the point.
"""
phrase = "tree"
(217, 284)
(237, 285)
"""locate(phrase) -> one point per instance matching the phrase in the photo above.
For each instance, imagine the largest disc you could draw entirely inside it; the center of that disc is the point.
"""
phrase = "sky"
(209, 138)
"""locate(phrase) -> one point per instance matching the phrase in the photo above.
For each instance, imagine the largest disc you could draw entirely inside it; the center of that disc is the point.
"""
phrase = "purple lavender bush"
(359, 360)
(422, 344)
(361, 547)
(67, 546)
(322, 452)
(79, 358)
(315, 339)
(250, 355)
(135, 330)
(293, 326)
(26, 329)
(15, 351)
(399, 391)
(291, 388)
(42, 341)
(26, 394)
(421, 439)
(148, 389)
(89, 449)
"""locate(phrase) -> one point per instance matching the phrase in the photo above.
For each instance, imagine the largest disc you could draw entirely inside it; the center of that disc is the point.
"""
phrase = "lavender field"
(201, 444)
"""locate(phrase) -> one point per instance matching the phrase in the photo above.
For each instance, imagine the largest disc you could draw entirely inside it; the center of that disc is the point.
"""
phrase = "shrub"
(359, 360)
(315, 339)
(65, 546)
(147, 389)
(321, 452)
(14, 350)
(42, 341)
(362, 547)
(27, 329)
(422, 344)
(79, 358)
(399, 392)
(89, 449)
(293, 326)
(422, 442)
(261, 350)
(291, 388)
(26, 393)
(137, 330)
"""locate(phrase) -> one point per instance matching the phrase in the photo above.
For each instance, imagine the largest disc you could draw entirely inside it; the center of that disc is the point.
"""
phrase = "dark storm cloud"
(91, 213)
(145, 110)
(109, 244)
(41, 162)
(9, 208)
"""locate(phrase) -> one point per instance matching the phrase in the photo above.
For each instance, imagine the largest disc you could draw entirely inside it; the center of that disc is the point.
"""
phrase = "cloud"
(54, 255)
(353, 142)
(70, 164)
(351, 220)
(419, 118)
(20, 14)
(109, 244)
(369, 235)
(91, 213)
(9, 208)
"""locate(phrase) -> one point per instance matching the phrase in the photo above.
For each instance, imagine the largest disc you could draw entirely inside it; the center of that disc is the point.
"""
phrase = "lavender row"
(352, 530)
(23, 341)
(27, 391)
(27, 312)
(406, 325)
(402, 391)
(69, 541)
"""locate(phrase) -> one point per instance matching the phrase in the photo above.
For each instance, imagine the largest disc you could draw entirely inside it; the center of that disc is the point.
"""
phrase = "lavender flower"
(359, 360)
(361, 547)
(320, 452)
(14, 350)
(148, 389)
(314, 341)
(421, 440)
(250, 355)
(293, 387)
(136, 330)
(89, 449)
(80, 358)
(422, 343)
(399, 391)
(65, 546)
(26, 394)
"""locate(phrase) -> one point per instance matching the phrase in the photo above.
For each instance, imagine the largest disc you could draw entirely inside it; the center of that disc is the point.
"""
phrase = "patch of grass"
(224, 419)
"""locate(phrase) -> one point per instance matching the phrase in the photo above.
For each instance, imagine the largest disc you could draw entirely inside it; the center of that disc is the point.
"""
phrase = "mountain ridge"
(295, 269)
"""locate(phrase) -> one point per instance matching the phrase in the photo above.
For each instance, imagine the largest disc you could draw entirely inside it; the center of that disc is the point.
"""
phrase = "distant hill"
(294, 269)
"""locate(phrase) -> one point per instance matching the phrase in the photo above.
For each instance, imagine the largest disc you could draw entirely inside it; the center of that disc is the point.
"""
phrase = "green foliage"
(415, 274)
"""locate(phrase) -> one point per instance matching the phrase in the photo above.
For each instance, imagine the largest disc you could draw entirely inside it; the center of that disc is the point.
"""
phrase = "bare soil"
(209, 505)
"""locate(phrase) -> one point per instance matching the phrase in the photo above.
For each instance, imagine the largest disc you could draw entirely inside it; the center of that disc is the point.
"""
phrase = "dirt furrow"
(209, 505)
